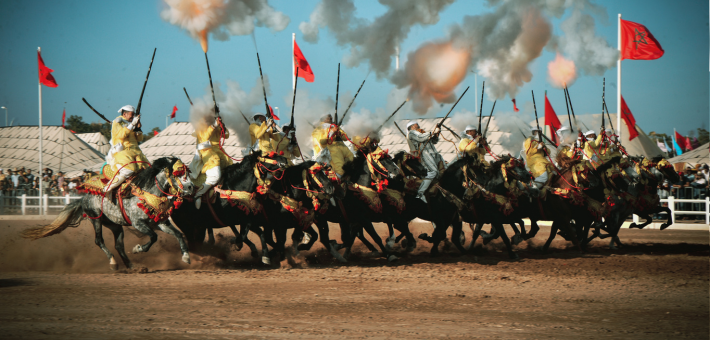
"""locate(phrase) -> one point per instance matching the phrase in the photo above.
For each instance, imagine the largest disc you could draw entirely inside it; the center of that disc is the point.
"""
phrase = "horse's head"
(383, 163)
(272, 163)
(181, 172)
(169, 175)
(664, 169)
(316, 177)
(410, 165)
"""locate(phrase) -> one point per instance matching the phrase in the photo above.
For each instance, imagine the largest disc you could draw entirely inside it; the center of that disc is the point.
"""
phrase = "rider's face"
(128, 115)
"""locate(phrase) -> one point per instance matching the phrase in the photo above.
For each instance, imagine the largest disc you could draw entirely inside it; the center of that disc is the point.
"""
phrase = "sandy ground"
(61, 287)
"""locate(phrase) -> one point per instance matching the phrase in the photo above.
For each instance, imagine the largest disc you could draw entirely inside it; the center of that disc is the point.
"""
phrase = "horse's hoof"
(306, 238)
(137, 249)
(390, 242)
(664, 226)
(462, 238)
(265, 260)
(392, 258)
(303, 247)
(516, 239)
(633, 225)
(186, 258)
(423, 236)
(112, 264)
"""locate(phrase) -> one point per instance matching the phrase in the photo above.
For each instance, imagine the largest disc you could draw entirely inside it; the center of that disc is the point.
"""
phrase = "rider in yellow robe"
(262, 133)
(536, 158)
(472, 145)
(328, 145)
(286, 142)
(125, 157)
(209, 158)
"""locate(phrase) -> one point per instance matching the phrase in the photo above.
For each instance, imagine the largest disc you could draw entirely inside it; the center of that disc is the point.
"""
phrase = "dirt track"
(61, 287)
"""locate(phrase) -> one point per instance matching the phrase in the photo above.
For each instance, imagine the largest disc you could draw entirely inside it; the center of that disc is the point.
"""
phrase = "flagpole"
(293, 61)
(39, 50)
(618, 82)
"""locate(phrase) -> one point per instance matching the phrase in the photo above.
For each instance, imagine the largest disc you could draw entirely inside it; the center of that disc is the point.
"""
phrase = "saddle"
(95, 184)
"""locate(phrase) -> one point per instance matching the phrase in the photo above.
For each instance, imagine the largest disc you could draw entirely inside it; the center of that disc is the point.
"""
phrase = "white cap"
(127, 108)
(411, 123)
(534, 128)
(470, 128)
(590, 132)
(257, 115)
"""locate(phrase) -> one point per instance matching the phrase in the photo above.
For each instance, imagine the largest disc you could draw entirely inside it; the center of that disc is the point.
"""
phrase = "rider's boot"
(423, 188)
(212, 177)
(117, 180)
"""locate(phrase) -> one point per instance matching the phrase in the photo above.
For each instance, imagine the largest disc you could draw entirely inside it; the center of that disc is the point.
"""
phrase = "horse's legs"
(437, 236)
(167, 228)
(457, 235)
(117, 231)
(669, 222)
(99, 240)
(146, 230)
(280, 247)
(391, 239)
(376, 237)
(312, 238)
(363, 239)
(237, 238)
(265, 258)
(244, 235)
(501, 231)
(648, 218)
(534, 228)
(523, 232)
(476, 232)
(404, 231)
(517, 238)
(553, 232)
(210, 236)
(329, 244)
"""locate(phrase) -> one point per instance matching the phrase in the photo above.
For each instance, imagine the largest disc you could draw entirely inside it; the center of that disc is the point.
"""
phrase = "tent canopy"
(96, 140)
(700, 155)
(177, 140)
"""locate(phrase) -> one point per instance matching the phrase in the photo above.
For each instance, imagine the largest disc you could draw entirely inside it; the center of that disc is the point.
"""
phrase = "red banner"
(45, 73)
(304, 71)
(638, 43)
(629, 119)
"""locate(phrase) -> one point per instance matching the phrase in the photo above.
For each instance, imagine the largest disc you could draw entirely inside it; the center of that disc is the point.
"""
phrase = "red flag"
(552, 120)
(64, 117)
(638, 43)
(515, 107)
(628, 119)
(680, 140)
(172, 115)
(271, 110)
(688, 144)
(155, 133)
(305, 71)
(45, 73)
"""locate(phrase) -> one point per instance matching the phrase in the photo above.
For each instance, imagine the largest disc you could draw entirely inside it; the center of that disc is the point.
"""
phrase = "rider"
(328, 145)
(286, 142)
(590, 147)
(261, 133)
(125, 157)
(473, 145)
(422, 144)
(209, 159)
(565, 146)
(536, 158)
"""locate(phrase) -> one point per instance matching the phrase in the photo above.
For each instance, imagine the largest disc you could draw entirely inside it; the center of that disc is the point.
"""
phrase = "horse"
(150, 196)
(235, 203)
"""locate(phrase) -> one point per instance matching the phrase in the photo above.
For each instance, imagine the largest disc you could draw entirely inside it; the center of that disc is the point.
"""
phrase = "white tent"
(700, 155)
(62, 150)
(96, 140)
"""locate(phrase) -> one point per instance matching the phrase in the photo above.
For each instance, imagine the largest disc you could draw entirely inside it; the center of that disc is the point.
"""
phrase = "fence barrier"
(33, 202)
(672, 201)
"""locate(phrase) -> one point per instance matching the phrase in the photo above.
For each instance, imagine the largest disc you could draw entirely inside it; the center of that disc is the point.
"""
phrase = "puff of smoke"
(589, 52)
(230, 103)
(374, 42)
(223, 18)
(368, 123)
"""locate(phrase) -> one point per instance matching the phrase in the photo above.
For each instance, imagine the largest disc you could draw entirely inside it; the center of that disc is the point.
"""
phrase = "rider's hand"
(136, 119)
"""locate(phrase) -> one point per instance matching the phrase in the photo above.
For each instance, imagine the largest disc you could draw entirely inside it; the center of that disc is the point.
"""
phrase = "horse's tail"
(70, 216)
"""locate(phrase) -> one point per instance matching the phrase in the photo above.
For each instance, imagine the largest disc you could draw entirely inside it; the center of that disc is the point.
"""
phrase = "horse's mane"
(657, 159)
(608, 164)
(355, 166)
(147, 177)
(239, 170)
(495, 166)
(293, 173)
(399, 155)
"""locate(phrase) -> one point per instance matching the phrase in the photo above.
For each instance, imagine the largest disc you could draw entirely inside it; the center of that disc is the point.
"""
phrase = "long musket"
(609, 117)
(263, 88)
(96, 112)
(569, 97)
(337, 90)
(443, 119)
(188, 96)
(392, 115)
(452, 131)
(603, 90)
(400, 129)
(480, 111)
(140, 100)
(537, 121)
(604, 108)
(293, 104)
(569, 117)
(245, 117)
(209, 74)
(489, 119)
(351, 102)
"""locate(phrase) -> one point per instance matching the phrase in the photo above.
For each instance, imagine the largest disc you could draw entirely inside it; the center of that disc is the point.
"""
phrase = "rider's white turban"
(470, 128)
(534, 128)
(411, 123)
(257, 115)
(589, 133)
(127, 108)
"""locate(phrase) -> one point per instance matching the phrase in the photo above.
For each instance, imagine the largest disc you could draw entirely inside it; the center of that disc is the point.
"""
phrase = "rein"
(109, 184)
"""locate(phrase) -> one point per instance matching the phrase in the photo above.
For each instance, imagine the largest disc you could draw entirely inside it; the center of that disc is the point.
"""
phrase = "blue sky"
(101, 49)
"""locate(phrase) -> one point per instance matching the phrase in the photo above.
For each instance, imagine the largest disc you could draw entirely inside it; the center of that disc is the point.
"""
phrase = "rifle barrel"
(352, 101)
(188, 96)
(97, 112)
(480, 110)
(392, 115)
(293, 105)
(263, 88)
(567, 104)
(489, 118)
(537, 121)
(140, 100)
(337, 91)
(209, 74)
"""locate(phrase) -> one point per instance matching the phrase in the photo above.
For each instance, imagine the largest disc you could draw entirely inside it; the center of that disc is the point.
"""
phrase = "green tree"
(703, 136)
(77, 124)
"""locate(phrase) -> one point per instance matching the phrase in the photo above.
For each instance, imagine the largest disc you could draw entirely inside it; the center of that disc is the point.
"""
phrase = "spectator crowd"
(21, 181)
(693, 184)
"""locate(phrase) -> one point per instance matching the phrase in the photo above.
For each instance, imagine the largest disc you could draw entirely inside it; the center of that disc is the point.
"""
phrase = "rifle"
(537, 121)
(572, 108)
(606, 108)
(447, 115)
(392, 115)
(489, 119)
(188, 96)
(293, 105)
(603, 90)
(245, 117)
(480, 111)
(400, 130)
(337, 90)
(352, 101)
(97, 112)
(567, 104)
(452, 131)
(140, 100)
(209, 74)
(263, 87)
